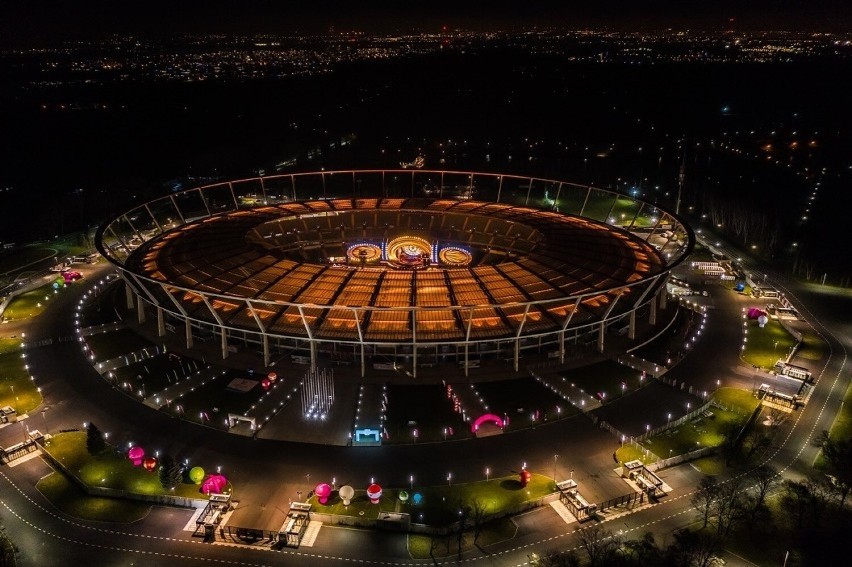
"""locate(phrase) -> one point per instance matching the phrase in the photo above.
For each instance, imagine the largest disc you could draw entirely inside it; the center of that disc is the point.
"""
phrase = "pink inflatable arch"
(487, 417)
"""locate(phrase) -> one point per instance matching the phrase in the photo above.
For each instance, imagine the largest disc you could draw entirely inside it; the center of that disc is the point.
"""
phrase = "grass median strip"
(71, 500)
(110, 469)
(443, 505)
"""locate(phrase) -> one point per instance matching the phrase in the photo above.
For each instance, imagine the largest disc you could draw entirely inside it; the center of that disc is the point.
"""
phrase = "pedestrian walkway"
(106, 328)
(563, 512)
(310, 534)
(572, 394)
(169, 393)
(24, 459)
(128, 359)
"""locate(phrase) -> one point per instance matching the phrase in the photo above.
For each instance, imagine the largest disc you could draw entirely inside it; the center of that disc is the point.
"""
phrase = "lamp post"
(555, 458)
(487, 473)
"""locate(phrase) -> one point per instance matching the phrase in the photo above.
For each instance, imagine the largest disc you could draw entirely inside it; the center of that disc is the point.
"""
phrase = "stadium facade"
(395, 269)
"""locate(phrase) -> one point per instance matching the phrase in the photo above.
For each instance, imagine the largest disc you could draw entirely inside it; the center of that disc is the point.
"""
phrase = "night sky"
(42, 21)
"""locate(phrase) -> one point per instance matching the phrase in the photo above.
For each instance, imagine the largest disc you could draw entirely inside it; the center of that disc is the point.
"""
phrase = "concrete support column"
(128, 294)
(652, 317)
(161, 322)
(188, 333)
(517, 352)
(631, 328)
(313, 356)
(267, 356)
(363, 362)
(664, 296)
(466, 359)
(601, 333)
(414, 360)
(224, 335)
(561, 347)
(140, 309)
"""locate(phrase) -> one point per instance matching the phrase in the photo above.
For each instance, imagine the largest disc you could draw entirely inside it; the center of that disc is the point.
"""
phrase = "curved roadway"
(74, 393)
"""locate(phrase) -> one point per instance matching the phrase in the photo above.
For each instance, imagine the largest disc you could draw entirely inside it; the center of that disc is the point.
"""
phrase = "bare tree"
(8, 550)
(796, 500)
(600, 545)
(463, 515)
(764, 477)
(730, 506)
(478, 510)
(642, 552)
(838, 457)
(694, 549)
(702, 500)
(555, 559)
(821, 493)
(758, 439)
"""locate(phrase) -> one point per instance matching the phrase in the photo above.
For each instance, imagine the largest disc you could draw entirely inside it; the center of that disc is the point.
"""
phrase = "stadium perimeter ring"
(413, 267)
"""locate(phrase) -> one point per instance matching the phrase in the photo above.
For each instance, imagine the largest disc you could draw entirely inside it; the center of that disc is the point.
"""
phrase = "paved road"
(75, 393)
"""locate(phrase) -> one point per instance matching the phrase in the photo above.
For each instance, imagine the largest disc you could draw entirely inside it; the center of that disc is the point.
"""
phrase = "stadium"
(396, 269)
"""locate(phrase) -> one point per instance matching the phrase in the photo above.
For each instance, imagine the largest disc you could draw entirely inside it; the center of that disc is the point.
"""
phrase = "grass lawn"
(765, 346)
(701, 253)
(30, 304)
(25, 255)
(600, 203)
(115, 343)
(841, 428)
(16, 387)
(109, 469)
(812, 347)
(629, 453)
(711, 466)
(737, 399)
(425, 547)
(440, 504)
(701, 431)
(69, 499)
(10, 345)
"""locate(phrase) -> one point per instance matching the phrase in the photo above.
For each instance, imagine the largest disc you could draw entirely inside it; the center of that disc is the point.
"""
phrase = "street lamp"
(487, 473)
(555, 458)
